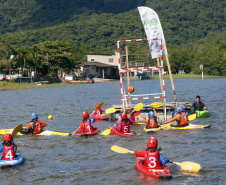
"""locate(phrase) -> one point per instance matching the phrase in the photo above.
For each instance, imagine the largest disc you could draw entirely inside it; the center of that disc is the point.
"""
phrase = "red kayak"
(99, 117)
(163, 173)
(92, 133)
(114, 131)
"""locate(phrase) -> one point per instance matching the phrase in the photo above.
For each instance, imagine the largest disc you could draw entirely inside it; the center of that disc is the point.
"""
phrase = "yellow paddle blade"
(17, 129)
(106, 132)
(156, 104)
(192, 117)
(99, 106)
(138, 107)
(189, 166)
(138, 123)
(119, 149)
(111, 110)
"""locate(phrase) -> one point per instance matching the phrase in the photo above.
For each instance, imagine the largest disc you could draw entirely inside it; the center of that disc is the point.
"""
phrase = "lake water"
(80, 160)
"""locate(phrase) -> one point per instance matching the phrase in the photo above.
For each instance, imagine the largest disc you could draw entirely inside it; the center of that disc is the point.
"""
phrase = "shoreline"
(6, 85)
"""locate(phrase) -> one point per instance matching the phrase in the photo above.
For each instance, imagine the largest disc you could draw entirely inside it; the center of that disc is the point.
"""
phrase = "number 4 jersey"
(9, 152)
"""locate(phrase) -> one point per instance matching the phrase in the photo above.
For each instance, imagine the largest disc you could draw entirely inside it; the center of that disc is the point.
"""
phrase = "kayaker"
(8, 147)
(131, 114)
(124, 124)
(152, 121)
(98, 111)
(152, 157)
(198, 105)
(181, 118)
(85, 124)
(34, 126)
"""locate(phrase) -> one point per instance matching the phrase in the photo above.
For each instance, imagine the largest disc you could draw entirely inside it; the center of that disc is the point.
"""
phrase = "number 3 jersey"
(151, 159)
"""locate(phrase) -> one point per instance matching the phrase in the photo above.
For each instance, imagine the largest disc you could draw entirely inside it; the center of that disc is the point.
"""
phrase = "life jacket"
(38, 127)
(8, 152)
(152, 123)
(183, 119)
(125, 127)
(87, 127)
(152, 160)
(98, 111)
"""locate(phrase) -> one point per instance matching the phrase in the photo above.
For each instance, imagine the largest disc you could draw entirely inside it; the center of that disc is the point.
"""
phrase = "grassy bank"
(5, 85)
(177, 76)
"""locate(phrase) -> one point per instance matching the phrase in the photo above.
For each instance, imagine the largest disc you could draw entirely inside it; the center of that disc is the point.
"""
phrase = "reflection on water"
(75, 160)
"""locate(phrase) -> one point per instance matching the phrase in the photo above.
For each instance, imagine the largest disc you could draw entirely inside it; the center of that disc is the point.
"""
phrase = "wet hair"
(152, 149)
(84, 119)
(198, 97)
(36, 119)
(7, 143)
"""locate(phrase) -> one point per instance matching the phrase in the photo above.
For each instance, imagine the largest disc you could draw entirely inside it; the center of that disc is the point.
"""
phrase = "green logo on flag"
(151, 22)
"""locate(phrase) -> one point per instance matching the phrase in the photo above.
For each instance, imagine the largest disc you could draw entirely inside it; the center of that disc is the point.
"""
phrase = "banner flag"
(153, 29)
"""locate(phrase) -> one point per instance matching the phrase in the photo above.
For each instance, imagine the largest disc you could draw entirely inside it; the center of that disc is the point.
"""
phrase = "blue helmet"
(151, 114)
(180, 108)
(34, 116)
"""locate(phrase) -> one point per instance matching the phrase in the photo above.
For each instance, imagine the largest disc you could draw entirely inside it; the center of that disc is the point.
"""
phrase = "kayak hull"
(13, 162)
(114, 131)
(43, 133)
(149, 130)
(90, 133)
(99, 117)
(168, 126)
(156, 173)
(202, 114)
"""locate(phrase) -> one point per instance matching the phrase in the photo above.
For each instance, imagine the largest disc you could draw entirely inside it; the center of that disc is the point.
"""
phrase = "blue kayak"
(13, 162)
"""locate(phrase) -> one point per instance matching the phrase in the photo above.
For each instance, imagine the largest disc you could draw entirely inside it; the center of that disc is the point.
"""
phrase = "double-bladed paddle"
(186, 166)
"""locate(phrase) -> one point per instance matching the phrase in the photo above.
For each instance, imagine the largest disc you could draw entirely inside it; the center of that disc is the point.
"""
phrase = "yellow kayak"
(168, 126)
(43, 133)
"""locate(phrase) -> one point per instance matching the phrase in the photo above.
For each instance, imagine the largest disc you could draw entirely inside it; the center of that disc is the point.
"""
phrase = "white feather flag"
(153, 29)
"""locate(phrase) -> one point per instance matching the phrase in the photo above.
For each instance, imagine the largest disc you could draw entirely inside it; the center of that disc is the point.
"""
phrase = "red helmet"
(124, 115)
(7, 137)
(96, 104)
(152, 142)
(85, 115)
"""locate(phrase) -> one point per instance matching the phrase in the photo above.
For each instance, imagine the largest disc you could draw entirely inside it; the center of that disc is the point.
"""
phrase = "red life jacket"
(8, 153)
(183, 119)
(87, 127)
(125, 127)
(151, 160)
(38, 127)
(98, 111)
(152, 123)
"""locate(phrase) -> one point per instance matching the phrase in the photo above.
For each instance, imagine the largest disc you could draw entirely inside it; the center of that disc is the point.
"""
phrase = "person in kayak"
(85, 124)
(34, 126)
(124, 124)
(152, 121)
(8, 147)
(198, 105)
(98, 111)
(132, 115)
(152, 157)
(181, 118)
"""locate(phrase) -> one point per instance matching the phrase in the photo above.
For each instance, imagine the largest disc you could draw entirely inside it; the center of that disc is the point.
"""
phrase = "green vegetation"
(180, 76)
(5, 85)
(194, 32)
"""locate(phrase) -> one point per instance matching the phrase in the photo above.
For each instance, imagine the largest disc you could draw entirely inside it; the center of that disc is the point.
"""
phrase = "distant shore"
(177, 76)
(6, 85)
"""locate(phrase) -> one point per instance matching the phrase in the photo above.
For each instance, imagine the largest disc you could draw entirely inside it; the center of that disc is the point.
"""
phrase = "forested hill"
(22, 15)
(100, 23)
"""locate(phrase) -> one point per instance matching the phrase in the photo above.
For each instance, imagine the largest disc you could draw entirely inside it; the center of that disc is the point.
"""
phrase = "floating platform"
(170, 109)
